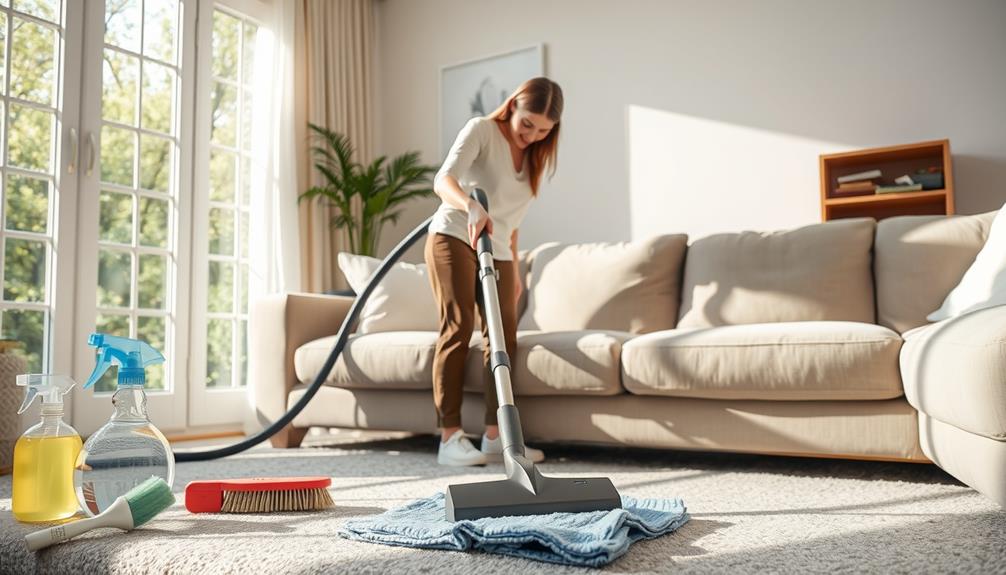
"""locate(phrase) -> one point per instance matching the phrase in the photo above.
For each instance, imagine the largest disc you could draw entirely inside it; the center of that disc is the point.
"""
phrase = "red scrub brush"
(258, 495)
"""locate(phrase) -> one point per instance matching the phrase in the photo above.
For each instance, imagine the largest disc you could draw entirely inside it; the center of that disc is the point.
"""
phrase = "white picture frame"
(477, 87)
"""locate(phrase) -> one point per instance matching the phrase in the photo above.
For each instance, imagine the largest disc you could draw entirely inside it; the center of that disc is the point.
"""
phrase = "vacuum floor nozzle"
(528, 492)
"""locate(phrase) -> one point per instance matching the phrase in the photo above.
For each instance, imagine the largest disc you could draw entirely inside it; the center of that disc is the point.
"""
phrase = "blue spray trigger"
(131, 355)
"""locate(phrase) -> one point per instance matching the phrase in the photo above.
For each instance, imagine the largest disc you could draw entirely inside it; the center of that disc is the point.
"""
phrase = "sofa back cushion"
(628, 286)
(815, 273)
(919, 259)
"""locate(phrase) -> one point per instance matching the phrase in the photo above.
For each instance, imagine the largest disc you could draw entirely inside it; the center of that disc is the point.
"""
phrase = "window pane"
(122, 24)
(151, 330)
(152, 277)
(222, 176)
(27, 206)
(29, 141)
(153, 222)
(24, 270)
(244, 288)
(118, 87)
(247, 113)
(248, 57)
(246, 181)
(218, 352)
(159, 29)
(27, 327)
(221, 231)
(33, 53)
(113, 325)
(44, 9)
(244, 233)
(225, 46)
(221, 293)
(158, 89)
(114, 271)
(225, 113)
(3, 51)
(118, 148)
(155, 163)
(242, 341)
(115, 224)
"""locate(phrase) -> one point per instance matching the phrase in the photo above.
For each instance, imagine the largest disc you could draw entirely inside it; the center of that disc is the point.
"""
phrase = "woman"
(505, 154)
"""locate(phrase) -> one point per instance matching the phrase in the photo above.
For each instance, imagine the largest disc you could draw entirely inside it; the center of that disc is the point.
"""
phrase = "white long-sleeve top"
(480, 157)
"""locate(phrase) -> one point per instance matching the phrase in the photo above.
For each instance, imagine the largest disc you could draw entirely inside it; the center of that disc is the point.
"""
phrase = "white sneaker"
(458, 451)
(493, 450)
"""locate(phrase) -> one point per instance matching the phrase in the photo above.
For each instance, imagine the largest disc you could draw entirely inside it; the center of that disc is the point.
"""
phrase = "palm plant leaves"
(381, 186)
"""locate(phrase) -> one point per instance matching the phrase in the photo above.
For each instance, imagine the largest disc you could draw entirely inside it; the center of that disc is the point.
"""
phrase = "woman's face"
(527, 128)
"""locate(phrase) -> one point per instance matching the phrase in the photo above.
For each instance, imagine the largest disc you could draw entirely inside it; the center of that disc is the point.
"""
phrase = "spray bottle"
(44, 456)
(128, 449)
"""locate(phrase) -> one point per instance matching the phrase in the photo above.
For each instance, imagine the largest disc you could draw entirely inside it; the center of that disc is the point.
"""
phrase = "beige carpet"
(749, 513)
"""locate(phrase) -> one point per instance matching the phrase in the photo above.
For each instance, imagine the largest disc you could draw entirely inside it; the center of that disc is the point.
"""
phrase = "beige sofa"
(807, 342)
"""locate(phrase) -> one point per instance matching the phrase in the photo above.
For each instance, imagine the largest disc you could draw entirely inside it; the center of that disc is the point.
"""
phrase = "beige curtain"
(337, 74)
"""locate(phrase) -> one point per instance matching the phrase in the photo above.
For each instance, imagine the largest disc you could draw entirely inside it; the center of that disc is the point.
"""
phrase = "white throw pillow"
(402, 301)
(984, 284)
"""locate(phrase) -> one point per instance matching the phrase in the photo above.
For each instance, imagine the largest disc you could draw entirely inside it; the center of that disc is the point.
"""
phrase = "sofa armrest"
(955, 371)
(278, 325)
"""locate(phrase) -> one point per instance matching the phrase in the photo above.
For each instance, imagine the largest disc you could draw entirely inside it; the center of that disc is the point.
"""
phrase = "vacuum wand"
(525, 491)
(499, 361)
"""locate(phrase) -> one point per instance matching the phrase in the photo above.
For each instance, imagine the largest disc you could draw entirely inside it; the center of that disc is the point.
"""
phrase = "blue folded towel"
(591, 539)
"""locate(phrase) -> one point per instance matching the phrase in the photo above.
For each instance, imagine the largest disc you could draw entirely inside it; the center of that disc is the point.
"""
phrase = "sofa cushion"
(919, 259)
(554, 363)
(629, 286)
(557, 363)
(402, 301)
(817, 272)
(819, 360)
(955, 371)
(388, 360)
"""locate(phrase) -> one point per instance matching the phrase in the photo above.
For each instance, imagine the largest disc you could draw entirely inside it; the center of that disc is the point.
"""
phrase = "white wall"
(710, 116)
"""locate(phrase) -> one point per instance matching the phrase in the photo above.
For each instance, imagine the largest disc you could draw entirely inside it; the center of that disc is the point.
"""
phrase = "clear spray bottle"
(44, 456)
(128, 449)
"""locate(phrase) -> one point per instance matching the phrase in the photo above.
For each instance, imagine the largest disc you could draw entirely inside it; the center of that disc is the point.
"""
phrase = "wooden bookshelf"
(893, 161)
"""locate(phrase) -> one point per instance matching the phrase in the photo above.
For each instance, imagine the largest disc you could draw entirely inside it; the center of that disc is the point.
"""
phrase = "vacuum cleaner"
(525, 491)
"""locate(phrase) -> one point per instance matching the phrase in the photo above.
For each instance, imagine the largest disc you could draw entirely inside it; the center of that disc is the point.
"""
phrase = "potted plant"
(382, 187)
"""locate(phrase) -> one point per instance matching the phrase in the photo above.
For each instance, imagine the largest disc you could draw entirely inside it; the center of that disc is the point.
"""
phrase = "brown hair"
(538, 96)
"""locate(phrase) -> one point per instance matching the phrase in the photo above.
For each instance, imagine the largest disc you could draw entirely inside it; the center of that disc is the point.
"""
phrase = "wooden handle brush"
(139, 505)
(258, 495)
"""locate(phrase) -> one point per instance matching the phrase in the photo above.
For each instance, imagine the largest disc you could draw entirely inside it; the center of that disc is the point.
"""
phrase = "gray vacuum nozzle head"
(541, 496)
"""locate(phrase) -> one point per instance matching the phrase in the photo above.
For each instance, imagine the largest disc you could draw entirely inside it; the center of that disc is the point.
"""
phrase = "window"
(137, 256)
(30, 59)
(230, 174)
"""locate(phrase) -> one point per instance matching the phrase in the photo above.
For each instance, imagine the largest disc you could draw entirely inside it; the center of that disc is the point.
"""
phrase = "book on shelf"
(846, 191)
(898, 188)
(865, 186)
(859, 176)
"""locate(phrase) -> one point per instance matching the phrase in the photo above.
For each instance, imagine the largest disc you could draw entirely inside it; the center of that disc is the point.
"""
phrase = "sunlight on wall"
(701, 177)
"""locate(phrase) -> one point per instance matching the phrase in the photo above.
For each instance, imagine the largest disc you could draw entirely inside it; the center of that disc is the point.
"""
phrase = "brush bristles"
(284, 500)
(148, 499)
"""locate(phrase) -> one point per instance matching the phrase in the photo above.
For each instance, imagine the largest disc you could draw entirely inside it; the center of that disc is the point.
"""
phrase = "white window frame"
(224, 405)
(167, 409)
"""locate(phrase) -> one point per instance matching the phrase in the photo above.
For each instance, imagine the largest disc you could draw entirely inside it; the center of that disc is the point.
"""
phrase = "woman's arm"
(459, 159)
(447, 187)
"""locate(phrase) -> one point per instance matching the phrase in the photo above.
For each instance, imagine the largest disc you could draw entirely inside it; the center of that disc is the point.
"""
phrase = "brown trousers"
(453, 275)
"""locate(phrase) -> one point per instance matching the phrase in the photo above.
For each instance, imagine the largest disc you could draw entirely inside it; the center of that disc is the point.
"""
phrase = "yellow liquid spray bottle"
(44, 456)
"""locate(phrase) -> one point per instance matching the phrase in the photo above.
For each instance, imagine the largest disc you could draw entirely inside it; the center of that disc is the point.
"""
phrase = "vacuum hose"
(340, 343)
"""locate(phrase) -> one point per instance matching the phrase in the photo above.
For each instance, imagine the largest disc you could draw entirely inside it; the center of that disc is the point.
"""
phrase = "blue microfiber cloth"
(590, 539)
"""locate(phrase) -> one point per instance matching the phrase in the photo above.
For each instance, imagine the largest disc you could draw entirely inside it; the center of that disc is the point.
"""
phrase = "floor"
(749, 514)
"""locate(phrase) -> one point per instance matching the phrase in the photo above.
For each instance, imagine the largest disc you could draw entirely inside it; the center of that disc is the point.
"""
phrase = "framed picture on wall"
(477, 87)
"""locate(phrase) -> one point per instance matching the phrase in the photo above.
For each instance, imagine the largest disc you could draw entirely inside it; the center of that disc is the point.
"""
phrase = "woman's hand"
(478, 218)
